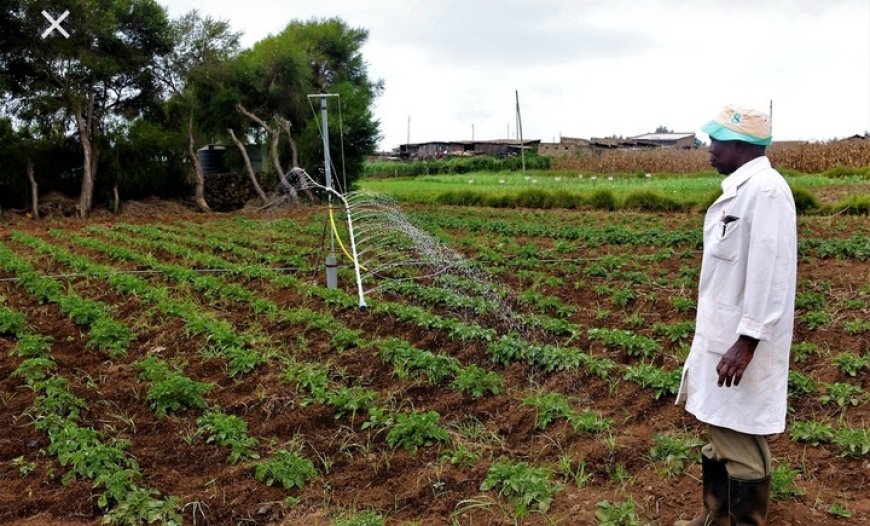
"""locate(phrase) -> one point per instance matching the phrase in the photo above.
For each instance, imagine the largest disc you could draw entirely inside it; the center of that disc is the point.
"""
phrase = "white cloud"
(596, 68)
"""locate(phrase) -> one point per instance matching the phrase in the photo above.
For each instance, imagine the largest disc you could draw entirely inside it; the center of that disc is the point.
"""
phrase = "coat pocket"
(725, 244)
(719, 328)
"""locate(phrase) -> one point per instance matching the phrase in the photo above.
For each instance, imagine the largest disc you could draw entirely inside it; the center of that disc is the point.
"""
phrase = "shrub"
(853, 205)
(461, 198)
(565, 199)
(708, 200)
(533, 198)
(804, 201)
(651, 201)
(501, 201)
(603, 200)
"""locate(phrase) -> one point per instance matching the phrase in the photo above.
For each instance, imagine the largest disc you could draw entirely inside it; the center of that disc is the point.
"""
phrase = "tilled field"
(194, 369)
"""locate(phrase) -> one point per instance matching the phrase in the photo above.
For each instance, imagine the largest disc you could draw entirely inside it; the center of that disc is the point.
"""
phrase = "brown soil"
(358, 470)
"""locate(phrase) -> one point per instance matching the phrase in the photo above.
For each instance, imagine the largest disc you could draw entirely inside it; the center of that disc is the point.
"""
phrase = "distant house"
(610, 143)
(666, 140)
(647, 141)
(439, 149)
(431, 150)
(565, 146)
(504, 147)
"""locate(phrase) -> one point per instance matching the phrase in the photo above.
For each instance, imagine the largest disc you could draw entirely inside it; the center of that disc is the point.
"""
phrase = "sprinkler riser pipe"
(331, 272)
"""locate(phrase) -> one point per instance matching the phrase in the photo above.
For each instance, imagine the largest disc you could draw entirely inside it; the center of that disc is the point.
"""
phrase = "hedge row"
(643, 200)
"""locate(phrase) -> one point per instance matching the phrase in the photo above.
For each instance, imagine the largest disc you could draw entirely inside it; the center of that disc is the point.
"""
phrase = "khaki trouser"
(746, 457)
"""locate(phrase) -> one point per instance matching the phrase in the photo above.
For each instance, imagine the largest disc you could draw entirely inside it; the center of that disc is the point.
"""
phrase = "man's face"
(724, 156)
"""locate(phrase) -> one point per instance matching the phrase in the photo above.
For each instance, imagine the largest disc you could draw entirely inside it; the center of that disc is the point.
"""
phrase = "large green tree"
(94, 81)
(273, 79)
(137, 92)
(201, 44)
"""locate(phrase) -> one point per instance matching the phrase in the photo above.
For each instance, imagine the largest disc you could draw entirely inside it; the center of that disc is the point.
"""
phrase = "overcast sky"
(594, 67)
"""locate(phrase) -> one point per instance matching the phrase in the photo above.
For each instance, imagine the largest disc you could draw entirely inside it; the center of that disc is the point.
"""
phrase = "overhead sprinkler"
(386, 249)
(331, 260)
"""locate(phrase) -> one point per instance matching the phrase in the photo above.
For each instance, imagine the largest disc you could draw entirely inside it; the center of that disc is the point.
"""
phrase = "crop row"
(84, 451)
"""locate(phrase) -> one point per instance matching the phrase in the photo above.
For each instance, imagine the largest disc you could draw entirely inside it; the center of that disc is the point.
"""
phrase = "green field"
(686, 189)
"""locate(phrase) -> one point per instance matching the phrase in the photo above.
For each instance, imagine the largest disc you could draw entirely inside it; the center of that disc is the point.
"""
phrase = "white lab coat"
(747, 287)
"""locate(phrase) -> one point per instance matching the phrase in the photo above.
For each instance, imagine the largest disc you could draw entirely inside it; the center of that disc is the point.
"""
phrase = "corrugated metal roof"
(663, 136)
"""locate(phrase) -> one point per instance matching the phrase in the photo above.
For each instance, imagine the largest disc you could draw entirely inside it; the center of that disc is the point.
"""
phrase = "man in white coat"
(736, 375)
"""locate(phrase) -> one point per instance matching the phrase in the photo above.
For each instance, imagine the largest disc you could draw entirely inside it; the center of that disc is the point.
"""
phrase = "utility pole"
(472, 132)
(520, 131)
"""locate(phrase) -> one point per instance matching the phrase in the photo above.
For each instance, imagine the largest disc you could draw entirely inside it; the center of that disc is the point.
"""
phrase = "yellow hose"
(338, 238)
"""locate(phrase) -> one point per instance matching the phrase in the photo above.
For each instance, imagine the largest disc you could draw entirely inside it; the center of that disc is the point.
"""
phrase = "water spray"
(335, 237)
(331, 260)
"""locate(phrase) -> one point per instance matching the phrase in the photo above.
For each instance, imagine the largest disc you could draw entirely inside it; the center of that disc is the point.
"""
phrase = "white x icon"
(55, 24)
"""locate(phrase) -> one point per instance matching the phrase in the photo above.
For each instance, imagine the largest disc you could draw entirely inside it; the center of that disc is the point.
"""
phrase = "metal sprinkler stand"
(353, 253)
(331, 260)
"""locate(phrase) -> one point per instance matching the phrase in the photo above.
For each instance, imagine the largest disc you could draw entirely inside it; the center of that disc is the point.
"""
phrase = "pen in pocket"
(726, 220)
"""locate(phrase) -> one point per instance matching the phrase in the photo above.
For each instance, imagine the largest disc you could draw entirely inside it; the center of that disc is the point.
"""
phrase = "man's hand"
(735, 361)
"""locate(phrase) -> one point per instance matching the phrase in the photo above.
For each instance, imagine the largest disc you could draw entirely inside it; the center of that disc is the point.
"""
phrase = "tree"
(199, 45)
(93, 81)
(663, 129)
(275, 76)
(27, 154)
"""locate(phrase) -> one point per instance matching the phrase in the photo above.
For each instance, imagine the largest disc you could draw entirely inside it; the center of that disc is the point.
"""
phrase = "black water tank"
(211, 158)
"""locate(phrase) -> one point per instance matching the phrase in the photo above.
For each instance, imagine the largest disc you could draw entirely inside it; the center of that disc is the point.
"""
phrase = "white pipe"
(362, 300)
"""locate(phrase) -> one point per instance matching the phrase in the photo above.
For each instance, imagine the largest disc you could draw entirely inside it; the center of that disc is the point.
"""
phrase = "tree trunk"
(199, 192)
(295, 169)
(248, 166)
(117, 200)
(87, 192)
(34, 190)
(276, 135)
(285, 125)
